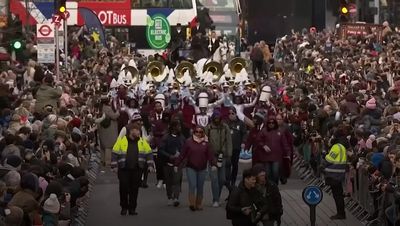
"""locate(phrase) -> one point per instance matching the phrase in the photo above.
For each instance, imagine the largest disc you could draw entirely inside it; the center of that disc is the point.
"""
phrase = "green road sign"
(158, 31)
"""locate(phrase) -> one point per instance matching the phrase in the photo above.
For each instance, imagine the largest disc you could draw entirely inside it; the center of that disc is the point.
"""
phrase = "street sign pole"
(66, 44)
(312, 196)
(57, 53)
(312, 215)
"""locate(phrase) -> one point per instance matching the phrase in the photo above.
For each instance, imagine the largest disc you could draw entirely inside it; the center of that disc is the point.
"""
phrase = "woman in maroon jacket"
(272, 148)
(197, 153)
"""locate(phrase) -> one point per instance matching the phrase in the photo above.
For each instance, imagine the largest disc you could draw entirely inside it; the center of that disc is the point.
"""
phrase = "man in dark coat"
(239, 206)
(213, 43)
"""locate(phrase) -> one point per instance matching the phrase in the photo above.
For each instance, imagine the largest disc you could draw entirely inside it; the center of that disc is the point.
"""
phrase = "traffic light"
(60, 6)
(16, 44)
(343, 11)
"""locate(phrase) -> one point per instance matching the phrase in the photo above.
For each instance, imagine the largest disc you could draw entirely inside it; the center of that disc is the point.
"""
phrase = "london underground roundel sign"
(158, 31)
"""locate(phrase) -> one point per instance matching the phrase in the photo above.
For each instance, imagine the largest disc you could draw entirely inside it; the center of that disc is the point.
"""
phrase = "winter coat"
(197, 155)
(241, 197)
(276, 141)
(25, 199)
(49, 219)
(170, 145)
(220, 139)
(108, 135)
(238, 133)
(47, 95)
(270, 201)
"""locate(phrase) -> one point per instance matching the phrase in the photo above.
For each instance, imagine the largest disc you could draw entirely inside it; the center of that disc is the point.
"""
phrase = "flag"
(93, 24)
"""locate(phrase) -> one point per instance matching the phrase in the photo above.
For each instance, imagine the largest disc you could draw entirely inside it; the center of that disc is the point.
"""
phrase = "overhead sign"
(45, 31)
(158, 31)
(360, 29)
(109, 13)
(312, 195)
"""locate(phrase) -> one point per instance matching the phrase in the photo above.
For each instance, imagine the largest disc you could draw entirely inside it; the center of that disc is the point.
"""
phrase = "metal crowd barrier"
(80, 213)
(359, 203)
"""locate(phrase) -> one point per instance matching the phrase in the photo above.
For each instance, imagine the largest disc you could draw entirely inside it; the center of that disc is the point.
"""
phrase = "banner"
(94, 25)
(158, 31)
(109, 13)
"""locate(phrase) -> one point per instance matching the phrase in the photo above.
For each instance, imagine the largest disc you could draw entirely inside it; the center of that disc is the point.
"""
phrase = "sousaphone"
(135, 74)
(156, 71)
(215, 68)
(181, 70)
(236, 65)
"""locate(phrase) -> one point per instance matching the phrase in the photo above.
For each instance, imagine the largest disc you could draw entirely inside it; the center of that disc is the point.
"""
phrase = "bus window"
(154, 3)
(181, 4)
(135, 4)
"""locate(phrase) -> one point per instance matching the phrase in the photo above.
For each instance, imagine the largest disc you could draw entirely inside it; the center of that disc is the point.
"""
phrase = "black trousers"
(128, 188)
(337, 192)
(235, 166)
(258, 66)
(173, 181)
(159, 167)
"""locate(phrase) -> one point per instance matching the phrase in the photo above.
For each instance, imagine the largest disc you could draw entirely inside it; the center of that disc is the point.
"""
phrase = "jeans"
(218, 180)
(337, 193)
(273, 173)
(391, 214)
(128, 188)
(196, 181)
(173, 181)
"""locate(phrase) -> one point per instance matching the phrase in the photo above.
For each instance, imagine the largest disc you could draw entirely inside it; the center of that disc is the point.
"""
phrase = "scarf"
(200, 139)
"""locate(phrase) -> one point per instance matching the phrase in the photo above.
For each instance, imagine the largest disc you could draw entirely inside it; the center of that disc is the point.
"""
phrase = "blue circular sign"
(312, 195)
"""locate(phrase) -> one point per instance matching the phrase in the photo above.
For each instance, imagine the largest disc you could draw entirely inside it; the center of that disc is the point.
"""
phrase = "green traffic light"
(17, 45)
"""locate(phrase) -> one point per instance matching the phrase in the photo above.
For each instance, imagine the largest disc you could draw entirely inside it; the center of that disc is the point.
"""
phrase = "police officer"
(335, 170)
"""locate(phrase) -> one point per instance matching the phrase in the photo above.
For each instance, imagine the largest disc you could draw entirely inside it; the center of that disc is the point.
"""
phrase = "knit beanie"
(52, 205)
(136, 117)
(14, 215)
(370, 140)
(30, 181)
(12, 162)
(371, 104)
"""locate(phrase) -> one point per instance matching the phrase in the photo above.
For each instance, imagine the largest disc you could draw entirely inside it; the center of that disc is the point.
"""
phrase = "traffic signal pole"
(57, 53)
(66, 44)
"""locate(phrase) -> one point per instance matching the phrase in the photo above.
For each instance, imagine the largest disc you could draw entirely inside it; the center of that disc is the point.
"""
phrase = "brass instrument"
(236, 65)
(135, 74)
(182, 68)
(155, 69)
(215, 68)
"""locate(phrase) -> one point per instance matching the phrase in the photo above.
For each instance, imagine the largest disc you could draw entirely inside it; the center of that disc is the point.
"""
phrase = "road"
(153, 209)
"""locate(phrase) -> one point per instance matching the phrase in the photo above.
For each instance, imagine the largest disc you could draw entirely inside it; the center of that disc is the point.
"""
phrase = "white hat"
(52, 205)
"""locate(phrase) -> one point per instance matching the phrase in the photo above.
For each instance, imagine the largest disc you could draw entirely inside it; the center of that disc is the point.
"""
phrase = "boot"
(192, 202)
(199, 201)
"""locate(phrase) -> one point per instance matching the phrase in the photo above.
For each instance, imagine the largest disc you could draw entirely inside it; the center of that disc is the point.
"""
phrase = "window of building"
(175, 4)
(154, 3)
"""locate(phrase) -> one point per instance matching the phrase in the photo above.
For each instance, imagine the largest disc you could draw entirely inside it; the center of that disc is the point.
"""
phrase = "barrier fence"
(80, 213)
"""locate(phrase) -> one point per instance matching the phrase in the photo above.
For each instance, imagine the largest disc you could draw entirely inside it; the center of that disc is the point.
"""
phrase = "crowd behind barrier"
(353, 83)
